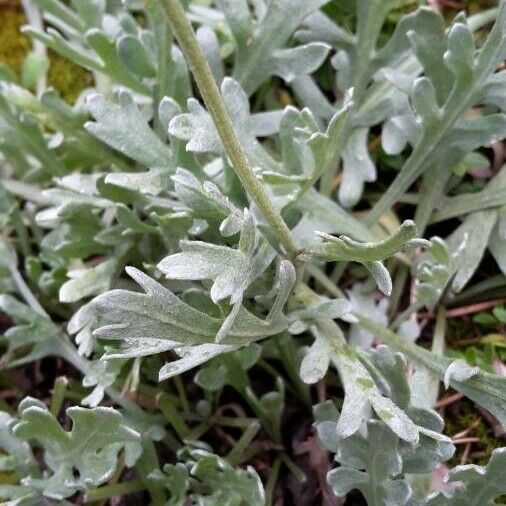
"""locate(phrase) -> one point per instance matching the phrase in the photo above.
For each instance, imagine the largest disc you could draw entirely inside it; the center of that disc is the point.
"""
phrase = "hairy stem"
(201, 71)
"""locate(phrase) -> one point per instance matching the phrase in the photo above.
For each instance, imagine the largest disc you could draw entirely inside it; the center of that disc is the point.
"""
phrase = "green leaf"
(197, 127)
(475, 485)
(204, 478)
(361, 391)
(31, 337)
(17, 455)
(468, 245)
(260, 43)
(121, 126)
(344, 249)
(487, 390)
(442, 123)
(381, 462)
(206, 201)
(91, 447)
(156, 321)
(88, 281)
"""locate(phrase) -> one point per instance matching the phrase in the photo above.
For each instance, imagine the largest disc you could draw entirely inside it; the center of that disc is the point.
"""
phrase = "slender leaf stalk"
(115, 490)
(201, 71)
(59, 389)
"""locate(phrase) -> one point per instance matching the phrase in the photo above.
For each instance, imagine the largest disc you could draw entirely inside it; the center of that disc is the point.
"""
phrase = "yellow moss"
(66, 77)
(13, 45)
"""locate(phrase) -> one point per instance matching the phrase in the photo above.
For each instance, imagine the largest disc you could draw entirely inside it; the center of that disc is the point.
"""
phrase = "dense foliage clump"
(248, 249)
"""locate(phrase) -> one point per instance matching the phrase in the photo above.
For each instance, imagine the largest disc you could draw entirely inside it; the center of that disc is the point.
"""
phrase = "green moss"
(459, 417)
(66, 77)
(13, 45)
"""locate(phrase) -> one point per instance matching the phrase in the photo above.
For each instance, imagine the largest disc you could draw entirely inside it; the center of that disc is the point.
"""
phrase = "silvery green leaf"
(459, 370)
(95, 51)
(302, 60)
(100, 375)
(316, 362)
(210, 480)
(381, 462)
(209, 43)
(493, 91)
(474, 485)
(381, 479)
(135, 56)
(492, 196)
(92, 446)
(8, 257)
(365, 303)
(207, 202)
(441, 121)
(369, 254)
(357, 60)
(358, 167)
(121, 126)
(318, 26)
(433, 272)
(152, 182)
(324, 214)
(361, 391)
(397, 132)
(260, 46)
(410, 329)
(468, 245)
(325, 309)
(24, 136)
(380, 275)
(344, 249)
(86, 282)
(232, 270)
(192, 356)
(308, 92)
(32, 333)
(497, 242)
(389, 370)
(487, 390)
(157, 320)
(326, 147)
(198, 129)
(17, 455)
(228, 267)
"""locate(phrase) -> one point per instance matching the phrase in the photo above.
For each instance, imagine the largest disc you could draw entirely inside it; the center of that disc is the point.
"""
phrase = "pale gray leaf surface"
(157, 320)
(209, 480)
(86, 282)
(121, 126)
(475, 485)
(468, 245)
(197, 127)
(92, 446)
(260, 44)
(381, 462)
(440, 121)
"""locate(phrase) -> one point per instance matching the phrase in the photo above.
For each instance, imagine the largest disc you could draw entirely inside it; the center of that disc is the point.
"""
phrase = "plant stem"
(59, 389)
(115, 490)
(26, 293)
(244, 442)
(271, 482)
(201, 71)
(173, 416)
